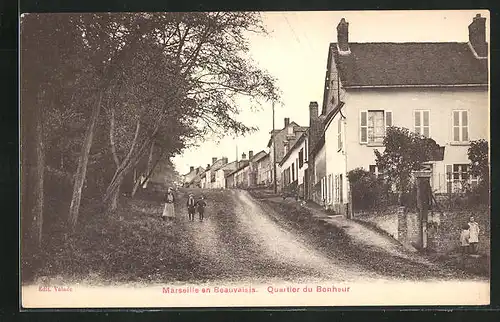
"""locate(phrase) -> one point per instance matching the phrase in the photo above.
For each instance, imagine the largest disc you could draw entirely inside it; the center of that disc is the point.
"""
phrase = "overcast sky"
(295, 53)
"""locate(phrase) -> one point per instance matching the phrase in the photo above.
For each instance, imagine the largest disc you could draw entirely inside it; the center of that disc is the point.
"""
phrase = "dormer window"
(290, 130)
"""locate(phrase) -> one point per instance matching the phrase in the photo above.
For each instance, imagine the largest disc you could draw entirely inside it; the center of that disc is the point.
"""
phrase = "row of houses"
(439, 90)
(253, 171)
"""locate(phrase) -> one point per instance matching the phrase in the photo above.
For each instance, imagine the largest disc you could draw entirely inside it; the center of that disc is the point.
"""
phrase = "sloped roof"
(259, 156)
(410, 64)
(244, 164)
(297, 128)
(301, 138)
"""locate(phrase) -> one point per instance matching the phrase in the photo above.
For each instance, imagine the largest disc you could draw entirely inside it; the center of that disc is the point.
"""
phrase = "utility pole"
(274, 157)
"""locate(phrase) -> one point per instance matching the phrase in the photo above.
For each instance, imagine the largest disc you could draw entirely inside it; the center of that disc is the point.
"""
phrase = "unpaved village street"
(243, 239)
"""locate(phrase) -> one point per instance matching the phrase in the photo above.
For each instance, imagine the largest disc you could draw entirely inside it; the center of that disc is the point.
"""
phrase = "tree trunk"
(39, 193)
(115, 198)
(81, 171)
(138, 182)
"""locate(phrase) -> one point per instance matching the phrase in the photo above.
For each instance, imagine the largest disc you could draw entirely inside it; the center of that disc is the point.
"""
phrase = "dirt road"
(242, 239)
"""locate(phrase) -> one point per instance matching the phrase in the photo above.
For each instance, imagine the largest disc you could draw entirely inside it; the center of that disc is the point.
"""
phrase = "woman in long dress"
(169, 209)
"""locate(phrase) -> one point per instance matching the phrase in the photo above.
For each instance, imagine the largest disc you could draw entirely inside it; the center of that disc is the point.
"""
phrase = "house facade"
(193, 178)
(284, 139)
(438, 90)
(222, 173)
(239, 177)
(294, 167)
(208, 182)
(264, 170)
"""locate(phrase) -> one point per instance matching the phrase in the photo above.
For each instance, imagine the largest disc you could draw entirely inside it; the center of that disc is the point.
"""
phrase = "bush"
(368, 191)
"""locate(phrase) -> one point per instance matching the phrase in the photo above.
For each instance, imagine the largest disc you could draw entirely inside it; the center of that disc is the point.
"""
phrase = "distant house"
(284, 139)
(253, 163)
(193, 177)
(210, 172)
(438, 90)
(294, 166)
(264, 169)
(236, 178)
(222, 173)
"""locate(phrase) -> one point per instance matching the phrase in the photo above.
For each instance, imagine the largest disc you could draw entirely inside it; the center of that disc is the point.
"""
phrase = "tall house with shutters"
(439, 90)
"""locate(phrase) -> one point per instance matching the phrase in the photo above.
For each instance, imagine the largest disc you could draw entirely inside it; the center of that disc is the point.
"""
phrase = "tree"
(45, 50)
(203, 73)
(404, 152)
(478, 156)
(480, 167)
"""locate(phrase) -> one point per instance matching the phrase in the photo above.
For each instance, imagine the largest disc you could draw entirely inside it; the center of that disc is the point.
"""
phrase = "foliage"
(368, 191)
(478, 156)
(404, 152)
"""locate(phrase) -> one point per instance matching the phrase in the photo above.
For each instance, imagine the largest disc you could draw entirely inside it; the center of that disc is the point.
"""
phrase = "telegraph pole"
(274, 157)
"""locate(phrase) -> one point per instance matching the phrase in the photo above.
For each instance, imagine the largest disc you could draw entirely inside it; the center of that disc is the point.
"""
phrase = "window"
(422, 123)
(336, 188)
(339, 135)
(301, 158)
(340, 189)
(293, 172)
(460, 126)
(286, 176)
(329, 188)
(290, 130)
(457, 176)
(323, 189)
(305, 150)
(373, 125)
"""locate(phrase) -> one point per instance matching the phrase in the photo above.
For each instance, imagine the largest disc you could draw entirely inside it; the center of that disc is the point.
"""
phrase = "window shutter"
(388, 119)
(416, 122)
(456, 126)
(363, 127)
(426, 123)
(465, 126)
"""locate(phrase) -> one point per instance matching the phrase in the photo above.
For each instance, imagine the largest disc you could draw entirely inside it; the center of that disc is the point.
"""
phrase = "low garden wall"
(443, 228)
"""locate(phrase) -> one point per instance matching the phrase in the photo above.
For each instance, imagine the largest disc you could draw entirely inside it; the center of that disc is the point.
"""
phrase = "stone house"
(284, 139)
(193, 177)
(294, 167)
(438, 90)
(208, 181)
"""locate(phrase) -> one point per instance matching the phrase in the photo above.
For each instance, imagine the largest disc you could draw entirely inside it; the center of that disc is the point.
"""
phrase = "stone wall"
(443, 228)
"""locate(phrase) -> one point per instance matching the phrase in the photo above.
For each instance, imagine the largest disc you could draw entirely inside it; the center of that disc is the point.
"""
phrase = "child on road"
(201, 204)
(191, 205)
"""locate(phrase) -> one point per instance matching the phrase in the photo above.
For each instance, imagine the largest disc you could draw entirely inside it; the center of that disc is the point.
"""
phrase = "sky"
(295, 53)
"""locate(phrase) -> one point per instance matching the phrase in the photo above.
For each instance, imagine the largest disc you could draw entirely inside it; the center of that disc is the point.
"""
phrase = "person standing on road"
(200, 205)
(474, 235)
(191, 205)
(169, 210)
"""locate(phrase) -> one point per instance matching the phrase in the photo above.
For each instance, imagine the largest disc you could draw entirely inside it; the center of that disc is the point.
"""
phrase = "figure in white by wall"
(169, 210)
(464, 239)
(473, 235)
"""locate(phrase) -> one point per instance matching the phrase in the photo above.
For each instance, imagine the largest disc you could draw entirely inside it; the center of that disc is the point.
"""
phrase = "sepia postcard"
(254, 159)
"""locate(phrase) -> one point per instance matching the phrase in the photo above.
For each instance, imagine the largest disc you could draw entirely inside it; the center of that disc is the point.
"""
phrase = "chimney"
(287, 121)
(250, 154)
(214, 160)
(243, 156)
(315, 127)
(313, 111)
(343, 36)
(224, 160)
(191, 169)
(477, 35)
